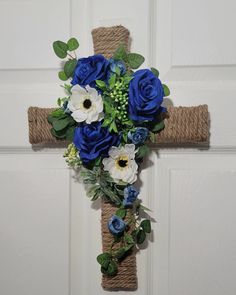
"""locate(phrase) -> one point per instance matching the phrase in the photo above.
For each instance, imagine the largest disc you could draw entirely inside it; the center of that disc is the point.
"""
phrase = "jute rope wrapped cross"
(184, 125)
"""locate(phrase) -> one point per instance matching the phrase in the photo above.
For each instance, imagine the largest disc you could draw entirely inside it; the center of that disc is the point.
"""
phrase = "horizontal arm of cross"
(184, 125)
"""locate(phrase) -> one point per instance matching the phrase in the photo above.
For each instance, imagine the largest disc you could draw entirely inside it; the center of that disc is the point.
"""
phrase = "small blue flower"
(130, 195)
(117, 64)
(139, 135)
(116, 225)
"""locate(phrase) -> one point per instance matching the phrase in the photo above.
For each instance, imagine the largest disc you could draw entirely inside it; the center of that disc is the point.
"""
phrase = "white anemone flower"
(121, 163)
(85, 104)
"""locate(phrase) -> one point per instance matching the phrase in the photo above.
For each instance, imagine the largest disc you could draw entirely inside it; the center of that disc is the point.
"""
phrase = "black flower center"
(87, 103)
(122, 163)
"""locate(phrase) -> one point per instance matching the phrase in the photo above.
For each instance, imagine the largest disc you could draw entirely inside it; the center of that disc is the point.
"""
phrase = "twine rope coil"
(39, 128)
(107, 40)
(126, 278)
(184, 125)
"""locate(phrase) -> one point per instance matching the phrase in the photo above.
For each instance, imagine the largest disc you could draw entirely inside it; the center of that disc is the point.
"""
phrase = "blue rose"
(116, 225)
(93, 140)
(145, 96)
(139, 135)
(117, 64)
(90, 69)
(130, 195)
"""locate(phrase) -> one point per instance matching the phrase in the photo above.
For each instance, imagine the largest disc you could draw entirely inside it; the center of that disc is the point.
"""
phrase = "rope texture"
(107, 40)
(184, 125)
(39, 128)
(126, 279)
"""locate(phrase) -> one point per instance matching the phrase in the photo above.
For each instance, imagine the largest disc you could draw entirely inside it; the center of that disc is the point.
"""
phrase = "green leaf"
(107, 122)
(120, 53)
(51, 119)
(125, 136)
(62, 76)
(166, 90)
(129, 239)
(112, 81)
(94, 192)
(58, 113)
(111, 195)
(121, 212)
(145, 208)
(101, 84)
(135, 60)
(127, 79)
(60, 48)
(119, 254)
(152, 137)
(69, 67)
(60, 124)
(128, 247)
(143, 150)
(155, 72)
(103, 257)
(108, 109)
(113, 127)
(146, 226)
(73, 44)
(111, 270)
(159, 126)
(58, 134)
(70, 133)
(141, 236)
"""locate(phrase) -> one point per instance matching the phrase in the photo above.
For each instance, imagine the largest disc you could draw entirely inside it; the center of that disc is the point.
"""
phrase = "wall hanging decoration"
(111, 113)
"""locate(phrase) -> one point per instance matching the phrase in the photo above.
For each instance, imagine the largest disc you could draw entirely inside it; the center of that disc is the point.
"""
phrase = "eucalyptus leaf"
(73, 44)
(60, 48)
(58, 134)
(119, 254)
(69, 67)
(111, 270)
(62, 76)
(141, 236)
(146, 226)
(135, 60)
(103, 257)
(60, 124)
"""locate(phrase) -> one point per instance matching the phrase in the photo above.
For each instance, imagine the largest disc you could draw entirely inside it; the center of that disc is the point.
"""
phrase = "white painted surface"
(49, 234)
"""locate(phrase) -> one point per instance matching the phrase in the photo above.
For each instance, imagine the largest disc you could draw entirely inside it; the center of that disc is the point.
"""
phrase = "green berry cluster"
(120, 95)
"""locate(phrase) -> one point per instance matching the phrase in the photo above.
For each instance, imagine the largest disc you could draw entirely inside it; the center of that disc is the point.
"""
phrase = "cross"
(184, 126)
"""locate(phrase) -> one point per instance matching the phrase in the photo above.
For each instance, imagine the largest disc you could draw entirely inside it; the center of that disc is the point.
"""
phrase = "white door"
(49, 231)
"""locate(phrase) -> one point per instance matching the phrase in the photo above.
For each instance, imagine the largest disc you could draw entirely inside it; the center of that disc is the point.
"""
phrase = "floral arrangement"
(108, 115)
